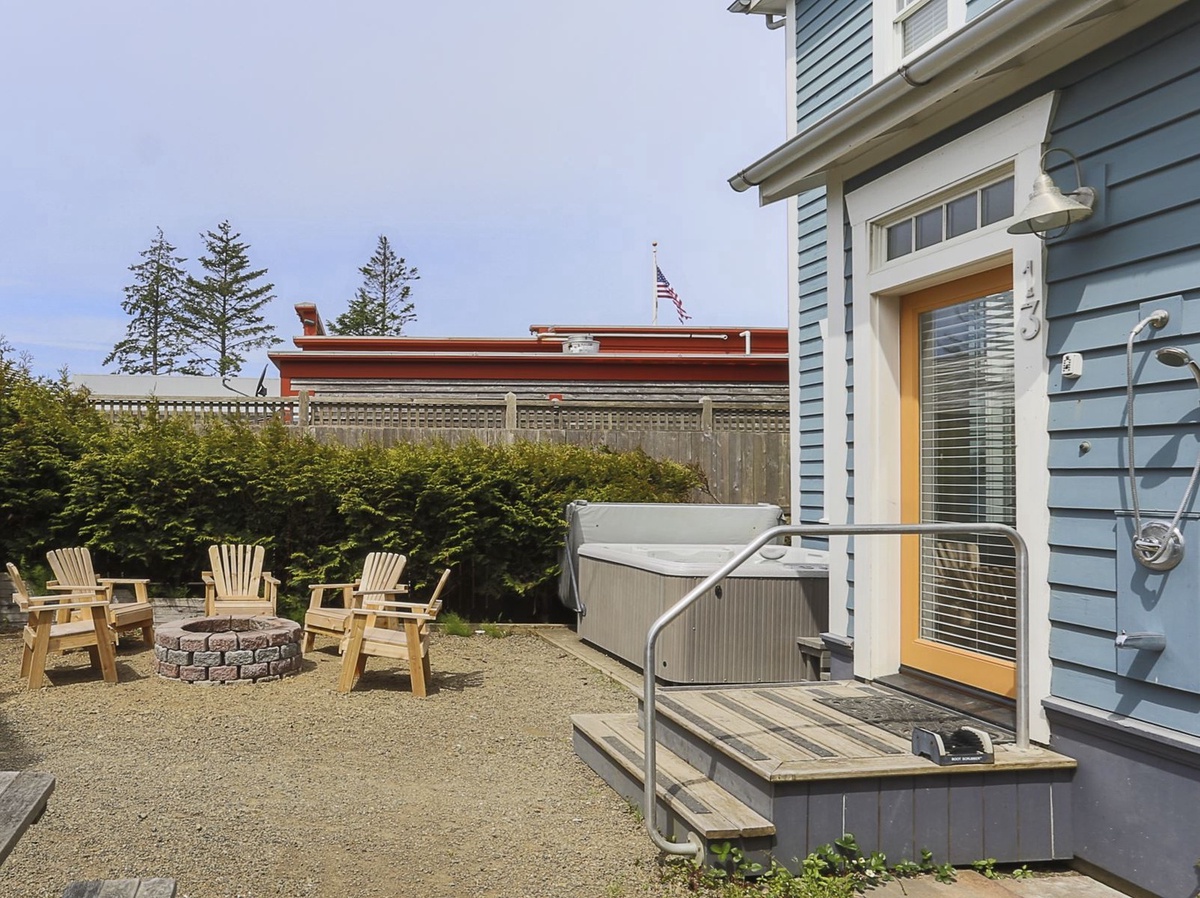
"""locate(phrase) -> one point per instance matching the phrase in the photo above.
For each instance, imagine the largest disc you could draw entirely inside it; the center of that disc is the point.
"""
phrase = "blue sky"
(521, 155)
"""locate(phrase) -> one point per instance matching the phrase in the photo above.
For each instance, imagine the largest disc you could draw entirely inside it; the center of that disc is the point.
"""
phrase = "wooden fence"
(741, 447)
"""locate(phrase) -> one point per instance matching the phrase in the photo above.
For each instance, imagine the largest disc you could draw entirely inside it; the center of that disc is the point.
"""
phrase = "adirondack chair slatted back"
(435, 600)
(237, 583)
(20, 592)
(381, 570)
(73, 567)
(237, 570)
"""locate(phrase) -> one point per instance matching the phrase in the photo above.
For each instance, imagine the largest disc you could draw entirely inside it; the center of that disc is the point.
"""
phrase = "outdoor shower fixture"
(1178, 357)
(1157, 544)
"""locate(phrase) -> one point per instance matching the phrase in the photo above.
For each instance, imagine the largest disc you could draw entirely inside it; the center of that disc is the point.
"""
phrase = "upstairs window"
(906, 28)
(920, 21)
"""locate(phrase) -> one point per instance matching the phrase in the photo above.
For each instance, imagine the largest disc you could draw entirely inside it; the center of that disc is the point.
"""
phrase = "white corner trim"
(1015, 139)
(833, 437)
(793, 285)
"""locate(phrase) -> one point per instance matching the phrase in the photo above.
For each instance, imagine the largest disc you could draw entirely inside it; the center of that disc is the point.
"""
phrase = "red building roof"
(551, 353)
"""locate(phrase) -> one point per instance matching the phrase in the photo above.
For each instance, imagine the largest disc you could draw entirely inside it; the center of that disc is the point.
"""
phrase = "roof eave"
(1010, 46)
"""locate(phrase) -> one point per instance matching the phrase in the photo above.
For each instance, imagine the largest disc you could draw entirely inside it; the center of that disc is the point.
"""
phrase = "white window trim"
(1016, 138)
(886, 54)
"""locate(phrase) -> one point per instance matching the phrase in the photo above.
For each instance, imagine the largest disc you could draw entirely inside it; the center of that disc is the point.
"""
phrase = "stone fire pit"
(227, 649)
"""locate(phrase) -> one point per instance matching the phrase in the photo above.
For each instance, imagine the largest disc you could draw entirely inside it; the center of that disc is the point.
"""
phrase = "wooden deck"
(786, 733)
(780, 770)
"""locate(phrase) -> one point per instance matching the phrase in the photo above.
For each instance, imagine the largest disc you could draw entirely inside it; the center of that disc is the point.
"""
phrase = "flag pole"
(654, 281)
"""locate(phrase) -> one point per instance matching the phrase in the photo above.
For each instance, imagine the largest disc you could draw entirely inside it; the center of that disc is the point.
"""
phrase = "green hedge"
(149, 496)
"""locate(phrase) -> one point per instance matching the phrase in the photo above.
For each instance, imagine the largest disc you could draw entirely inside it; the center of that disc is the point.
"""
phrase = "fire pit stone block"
(227, 650)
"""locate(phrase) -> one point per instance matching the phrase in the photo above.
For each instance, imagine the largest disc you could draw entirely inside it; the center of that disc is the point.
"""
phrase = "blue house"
(962, 356)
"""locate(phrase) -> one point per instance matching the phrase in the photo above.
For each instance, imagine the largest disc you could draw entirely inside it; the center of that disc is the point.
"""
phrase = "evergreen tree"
(224, 309)
(155, 340)
(381, 307)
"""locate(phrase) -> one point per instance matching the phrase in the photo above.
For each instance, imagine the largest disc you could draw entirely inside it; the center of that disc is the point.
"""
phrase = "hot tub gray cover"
(657, 524)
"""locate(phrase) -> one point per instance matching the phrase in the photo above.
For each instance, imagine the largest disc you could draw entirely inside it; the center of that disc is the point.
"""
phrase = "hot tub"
(743, 631)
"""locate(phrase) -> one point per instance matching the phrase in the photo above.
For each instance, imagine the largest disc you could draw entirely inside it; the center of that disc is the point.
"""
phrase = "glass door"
(959, 466)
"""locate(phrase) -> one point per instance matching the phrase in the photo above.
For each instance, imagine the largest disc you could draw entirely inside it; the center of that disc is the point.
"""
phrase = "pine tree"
(224, 309)
(155, 340)
(381, 307)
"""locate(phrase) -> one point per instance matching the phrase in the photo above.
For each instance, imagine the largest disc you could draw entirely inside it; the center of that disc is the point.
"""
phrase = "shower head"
(1175, 356)
(1178, 357)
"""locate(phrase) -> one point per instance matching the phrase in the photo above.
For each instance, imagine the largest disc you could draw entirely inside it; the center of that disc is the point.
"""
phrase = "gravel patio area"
(289, 790)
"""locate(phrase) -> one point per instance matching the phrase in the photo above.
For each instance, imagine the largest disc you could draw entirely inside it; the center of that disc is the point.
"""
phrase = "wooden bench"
(121, 888)
(23, 797)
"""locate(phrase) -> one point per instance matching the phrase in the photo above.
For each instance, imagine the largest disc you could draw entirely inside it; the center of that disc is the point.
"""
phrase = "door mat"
(898, 715)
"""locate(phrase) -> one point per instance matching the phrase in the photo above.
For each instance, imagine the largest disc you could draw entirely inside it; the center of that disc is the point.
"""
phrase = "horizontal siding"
(1095, 610)
(810, 381)
(1135, 127)
(829, 60)
(833, 56)
(1126, 698)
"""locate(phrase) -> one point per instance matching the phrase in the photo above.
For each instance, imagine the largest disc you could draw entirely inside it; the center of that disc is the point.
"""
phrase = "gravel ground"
(290, 790)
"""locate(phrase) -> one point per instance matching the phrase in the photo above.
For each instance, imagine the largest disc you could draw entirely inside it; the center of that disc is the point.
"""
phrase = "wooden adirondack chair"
(73, 572)
(381, 571)
(411, 643)
(237, 583)
(42, 635)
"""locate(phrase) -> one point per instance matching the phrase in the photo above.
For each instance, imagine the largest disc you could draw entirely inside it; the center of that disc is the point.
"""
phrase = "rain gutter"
(987, 48)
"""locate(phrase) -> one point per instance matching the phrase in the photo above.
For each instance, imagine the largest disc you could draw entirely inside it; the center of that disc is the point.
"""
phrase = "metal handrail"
(694, 846)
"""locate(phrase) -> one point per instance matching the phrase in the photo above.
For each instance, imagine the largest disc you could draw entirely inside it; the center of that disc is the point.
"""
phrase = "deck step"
(707, 810)
(797, 734)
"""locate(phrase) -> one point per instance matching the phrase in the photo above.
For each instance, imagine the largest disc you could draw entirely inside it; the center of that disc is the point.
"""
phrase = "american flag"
(666, 291)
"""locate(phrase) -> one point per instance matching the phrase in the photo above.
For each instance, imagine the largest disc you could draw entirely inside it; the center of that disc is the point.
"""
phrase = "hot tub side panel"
(620, 604)
(747, 635)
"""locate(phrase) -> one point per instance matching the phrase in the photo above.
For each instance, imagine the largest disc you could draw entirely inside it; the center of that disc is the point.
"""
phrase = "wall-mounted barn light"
(1049, 209)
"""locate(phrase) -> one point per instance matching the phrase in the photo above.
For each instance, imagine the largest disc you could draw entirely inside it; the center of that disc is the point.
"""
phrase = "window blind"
(923, 25)
(968, 473)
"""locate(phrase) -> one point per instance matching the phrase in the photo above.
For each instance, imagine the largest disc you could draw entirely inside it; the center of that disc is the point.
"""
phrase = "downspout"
(1032, 19)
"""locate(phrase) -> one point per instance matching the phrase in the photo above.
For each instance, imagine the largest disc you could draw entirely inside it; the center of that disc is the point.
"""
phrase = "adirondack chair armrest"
(82, 600)
(396, 615)
(81, 588)
(317, 593)
(411, 607)
(62, 600)
(139, 585)
(400, 590)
